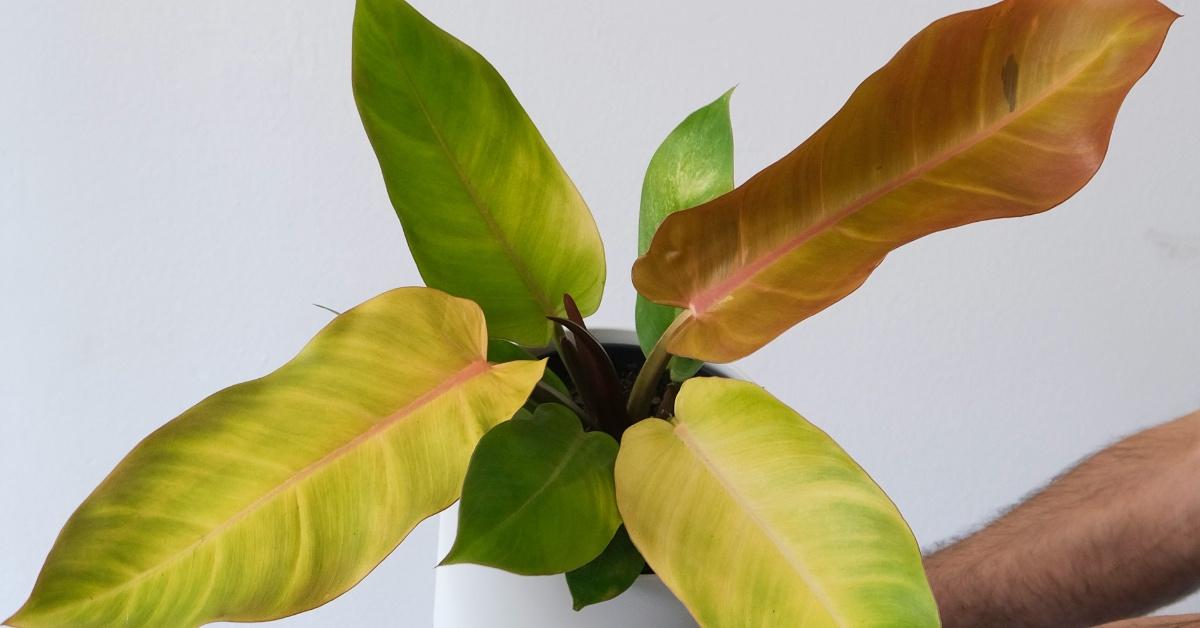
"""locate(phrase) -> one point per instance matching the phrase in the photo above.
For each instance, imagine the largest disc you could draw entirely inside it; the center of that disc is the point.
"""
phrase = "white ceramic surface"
(469, 596)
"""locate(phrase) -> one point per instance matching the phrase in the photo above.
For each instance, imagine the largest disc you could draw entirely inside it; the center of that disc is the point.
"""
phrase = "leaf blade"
(608, 575)
(1003, 111)
(273, 496)
(752, 516)
(538, 497)
(501, 351)
(488, 212)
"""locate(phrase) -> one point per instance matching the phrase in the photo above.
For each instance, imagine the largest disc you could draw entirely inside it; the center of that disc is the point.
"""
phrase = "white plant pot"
(470, 596)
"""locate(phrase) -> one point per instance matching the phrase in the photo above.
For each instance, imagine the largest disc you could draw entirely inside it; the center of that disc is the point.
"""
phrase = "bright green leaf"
(487, 210)
(538, 497)
(692, 166)
(754, 517)
(276, 495)
(609, 574)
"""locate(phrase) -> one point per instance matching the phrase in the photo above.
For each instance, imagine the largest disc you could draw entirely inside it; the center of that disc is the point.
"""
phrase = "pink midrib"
(708, 297)
(472, 370)
(749, 509)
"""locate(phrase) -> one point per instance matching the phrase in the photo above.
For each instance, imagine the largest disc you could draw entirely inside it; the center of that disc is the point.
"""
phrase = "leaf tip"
(459, 553)
(11, 621)
(451, 558)
(578, 599)
(1174, 14)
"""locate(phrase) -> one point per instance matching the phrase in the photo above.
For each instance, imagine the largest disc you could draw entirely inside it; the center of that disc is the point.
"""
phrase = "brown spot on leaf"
(1008, 76)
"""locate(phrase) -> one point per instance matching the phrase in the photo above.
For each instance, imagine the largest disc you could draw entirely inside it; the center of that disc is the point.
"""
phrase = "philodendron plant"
(274, 496)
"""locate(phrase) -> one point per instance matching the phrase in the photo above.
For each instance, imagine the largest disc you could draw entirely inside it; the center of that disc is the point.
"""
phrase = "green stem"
(651, 373)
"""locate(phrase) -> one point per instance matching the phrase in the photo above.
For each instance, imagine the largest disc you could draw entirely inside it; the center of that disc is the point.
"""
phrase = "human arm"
(1112, 538)
(1172, 621)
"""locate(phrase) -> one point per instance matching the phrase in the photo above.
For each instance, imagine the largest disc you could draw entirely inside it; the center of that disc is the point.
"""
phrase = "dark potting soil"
(627, 361)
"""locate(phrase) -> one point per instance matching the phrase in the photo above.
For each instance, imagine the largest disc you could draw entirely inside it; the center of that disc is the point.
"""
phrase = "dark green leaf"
(538, 496)
(608, 575)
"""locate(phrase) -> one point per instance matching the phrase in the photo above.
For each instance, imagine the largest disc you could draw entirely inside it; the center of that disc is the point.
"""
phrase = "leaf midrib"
(707, 298)
(459, 378)
(484, 211)
(684, 435)
(561, 467)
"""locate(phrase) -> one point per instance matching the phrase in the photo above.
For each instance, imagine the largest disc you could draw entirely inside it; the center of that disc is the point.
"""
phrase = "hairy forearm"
(1173, 621)
(1113, 538)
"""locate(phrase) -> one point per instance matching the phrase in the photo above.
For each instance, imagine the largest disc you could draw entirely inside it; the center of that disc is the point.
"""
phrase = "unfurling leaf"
(1003, 111)
(276, 495)
(754, 517)
(488, 212)
(538, 497)
(692, 166)
(608, 575)
(594, 376)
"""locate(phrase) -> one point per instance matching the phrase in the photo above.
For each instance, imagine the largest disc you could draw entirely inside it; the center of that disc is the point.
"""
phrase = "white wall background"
(180, 181)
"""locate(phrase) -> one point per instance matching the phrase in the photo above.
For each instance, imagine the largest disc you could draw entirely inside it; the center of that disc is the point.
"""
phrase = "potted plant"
(276, 495)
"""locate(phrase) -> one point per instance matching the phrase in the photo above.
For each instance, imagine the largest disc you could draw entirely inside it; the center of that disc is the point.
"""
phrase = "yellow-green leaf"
(1003, 111)
(488, 212)
(500, 351)
(276, 495)
(754, 517)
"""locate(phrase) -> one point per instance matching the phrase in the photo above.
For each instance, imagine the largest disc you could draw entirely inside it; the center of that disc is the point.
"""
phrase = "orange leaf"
(999, 112)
